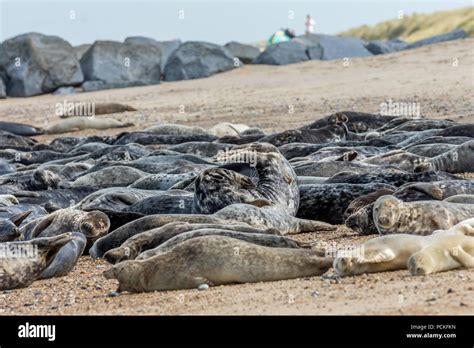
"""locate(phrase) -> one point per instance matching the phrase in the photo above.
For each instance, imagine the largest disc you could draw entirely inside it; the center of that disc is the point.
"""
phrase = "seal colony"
(179, 207)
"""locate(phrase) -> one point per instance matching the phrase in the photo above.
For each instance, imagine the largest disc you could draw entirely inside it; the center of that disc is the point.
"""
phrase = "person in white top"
(309, 24)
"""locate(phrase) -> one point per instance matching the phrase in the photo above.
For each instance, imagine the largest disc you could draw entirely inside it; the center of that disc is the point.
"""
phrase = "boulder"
(283, 53)
(166, 47)
(81, 49)
(65, 91)
(3, 89)
(195, 59)
(452, 35)
(245, 53)
(329, 47)
(37, 64)
(383, 47)
(119, 64)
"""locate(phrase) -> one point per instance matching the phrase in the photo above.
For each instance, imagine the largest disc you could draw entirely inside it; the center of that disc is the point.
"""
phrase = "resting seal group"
(179, 207)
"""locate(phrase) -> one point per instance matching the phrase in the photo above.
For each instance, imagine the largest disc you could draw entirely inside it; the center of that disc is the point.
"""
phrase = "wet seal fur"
(216, 260)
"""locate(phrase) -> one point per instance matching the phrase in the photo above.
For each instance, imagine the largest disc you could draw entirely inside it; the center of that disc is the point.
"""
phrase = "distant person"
(309, 24)
(282, 35)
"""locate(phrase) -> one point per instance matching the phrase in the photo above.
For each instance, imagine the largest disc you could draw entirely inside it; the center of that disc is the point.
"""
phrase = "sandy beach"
(439, 77)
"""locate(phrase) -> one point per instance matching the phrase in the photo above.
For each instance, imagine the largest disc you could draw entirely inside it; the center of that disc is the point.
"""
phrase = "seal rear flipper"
(382, 256)
(462, 257)
(17, 219)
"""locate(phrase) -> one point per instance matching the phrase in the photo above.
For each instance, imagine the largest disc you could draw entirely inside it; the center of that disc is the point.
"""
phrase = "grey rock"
(122, 64)
(283, 53)
(81, 49)
(65, 91)
(383, 47)
(3, 89)
(246, 53)
(37, 64)
(329, 47)
(452, 35)
(166, 47)
(196, 59)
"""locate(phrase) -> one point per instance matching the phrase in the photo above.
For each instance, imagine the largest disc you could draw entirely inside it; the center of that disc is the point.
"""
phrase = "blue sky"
(213, 21)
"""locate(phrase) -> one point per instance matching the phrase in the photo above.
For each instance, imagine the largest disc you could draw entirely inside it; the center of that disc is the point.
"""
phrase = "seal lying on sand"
(392, 215)
(19, 129)
(216, 260)
(261, 218)
(155, 237)
(394, 252)
(327, 202)
(265, 239)
(18, 272)
(92, 224)
(274, 181)
(74, 124)
(66, 258)
(457, 160)
(443, 254)
(9, 227)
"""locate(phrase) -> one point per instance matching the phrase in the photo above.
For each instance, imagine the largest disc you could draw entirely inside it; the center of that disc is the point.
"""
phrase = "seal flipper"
(17, 219)
(462, 257)
(382, 256)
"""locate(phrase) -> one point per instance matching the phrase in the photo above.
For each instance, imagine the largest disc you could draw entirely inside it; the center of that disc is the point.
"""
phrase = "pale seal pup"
(394, 252)
(216, 260)
(225, 128)
(19, 272)
(74, 124)
(457, 160)
(392, 215)
(443, 254)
